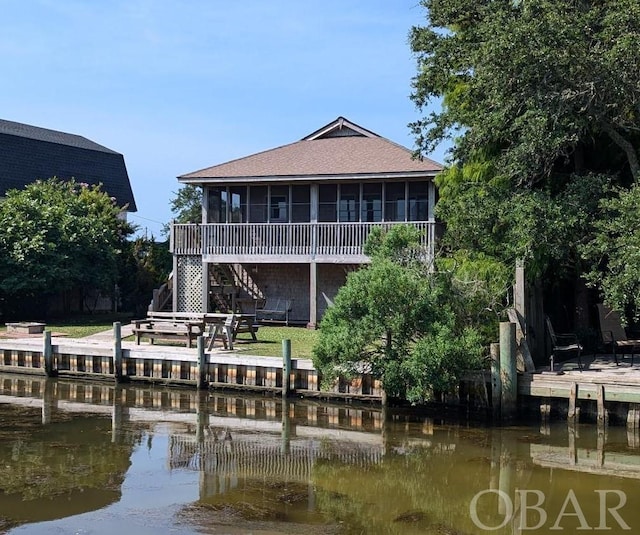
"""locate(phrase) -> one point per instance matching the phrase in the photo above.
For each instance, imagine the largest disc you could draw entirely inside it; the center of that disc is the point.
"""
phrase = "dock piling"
(286, 368)
(602, 412)
(47, 353)
(572, 414)
(117, 351)
(203, 363)
(508, 374)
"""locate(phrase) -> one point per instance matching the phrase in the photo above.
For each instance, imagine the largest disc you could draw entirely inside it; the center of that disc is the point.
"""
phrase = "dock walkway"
(602, 389)
(621, 383)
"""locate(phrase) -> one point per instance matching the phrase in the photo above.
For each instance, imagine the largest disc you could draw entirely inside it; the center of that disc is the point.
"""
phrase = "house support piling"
(313, 295)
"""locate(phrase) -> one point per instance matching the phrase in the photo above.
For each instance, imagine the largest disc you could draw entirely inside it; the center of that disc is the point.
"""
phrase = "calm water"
(92, 459)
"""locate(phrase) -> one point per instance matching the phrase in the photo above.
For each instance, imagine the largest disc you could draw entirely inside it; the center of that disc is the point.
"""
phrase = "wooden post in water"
(286, 427)
(117, 351)
(508, 373)
(573, 450)
(203, 364)
(496, 382)
(602, 411)
(48, 401)
(47, 354)
(545, 414)
(496, 446)
(286, 368)
(117, 414)
(633, 424)
(572, 414)
(202, 415)
(602, 422)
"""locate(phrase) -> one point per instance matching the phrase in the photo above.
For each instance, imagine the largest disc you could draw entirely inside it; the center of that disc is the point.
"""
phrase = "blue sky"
(178, 85)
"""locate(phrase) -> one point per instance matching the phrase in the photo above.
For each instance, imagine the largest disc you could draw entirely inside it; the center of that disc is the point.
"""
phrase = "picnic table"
(227, 326)
(183, 326)
(188, 326)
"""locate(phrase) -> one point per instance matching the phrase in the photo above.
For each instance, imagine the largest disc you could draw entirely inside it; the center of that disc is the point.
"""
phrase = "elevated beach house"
(287, 225)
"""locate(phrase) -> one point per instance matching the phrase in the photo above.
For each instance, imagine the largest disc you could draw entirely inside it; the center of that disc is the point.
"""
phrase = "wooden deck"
(293, 242)
(618, 383)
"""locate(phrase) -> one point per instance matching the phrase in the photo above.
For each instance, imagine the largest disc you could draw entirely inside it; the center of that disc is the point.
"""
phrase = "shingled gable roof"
(339, 150)
(28, 153)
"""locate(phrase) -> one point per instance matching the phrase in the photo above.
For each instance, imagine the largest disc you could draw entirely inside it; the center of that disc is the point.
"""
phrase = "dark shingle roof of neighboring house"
(29, 153)
(340, 149)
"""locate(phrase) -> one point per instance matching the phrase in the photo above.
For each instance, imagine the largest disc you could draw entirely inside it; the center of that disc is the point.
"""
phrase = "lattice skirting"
(189, 284)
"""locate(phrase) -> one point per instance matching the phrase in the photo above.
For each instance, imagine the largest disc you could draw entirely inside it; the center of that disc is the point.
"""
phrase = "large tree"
(542, 100)
(539, 83)
(58, 236)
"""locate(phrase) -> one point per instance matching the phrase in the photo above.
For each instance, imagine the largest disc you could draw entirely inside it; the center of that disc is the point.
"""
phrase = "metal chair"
(563, 343)
(613, 334)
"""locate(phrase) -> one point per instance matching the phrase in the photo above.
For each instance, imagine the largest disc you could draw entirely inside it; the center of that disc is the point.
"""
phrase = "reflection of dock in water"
(584, 449)
(224, 438)
(593, 461)
(191, 412)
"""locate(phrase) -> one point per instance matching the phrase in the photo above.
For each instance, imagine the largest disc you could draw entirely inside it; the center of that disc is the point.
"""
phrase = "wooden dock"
(602, 390)
(217, 368)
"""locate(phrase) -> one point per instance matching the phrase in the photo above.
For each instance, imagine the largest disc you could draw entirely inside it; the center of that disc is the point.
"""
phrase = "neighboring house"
(29, 153)
(291, 222)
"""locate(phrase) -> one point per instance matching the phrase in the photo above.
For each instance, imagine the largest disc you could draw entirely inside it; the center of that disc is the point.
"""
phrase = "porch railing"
(282, 239)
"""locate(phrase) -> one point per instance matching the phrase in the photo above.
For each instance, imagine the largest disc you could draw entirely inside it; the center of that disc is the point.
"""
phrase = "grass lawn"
(270, 338)
(79, 326)
(269, 342)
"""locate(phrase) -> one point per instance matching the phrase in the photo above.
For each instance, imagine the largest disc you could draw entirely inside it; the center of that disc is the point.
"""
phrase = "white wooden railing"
(282, 239)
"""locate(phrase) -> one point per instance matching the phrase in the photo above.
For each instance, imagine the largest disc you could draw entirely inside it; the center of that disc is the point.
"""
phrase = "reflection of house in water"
(223, 437)
(296, 462)
(225, 457)
(262, 439)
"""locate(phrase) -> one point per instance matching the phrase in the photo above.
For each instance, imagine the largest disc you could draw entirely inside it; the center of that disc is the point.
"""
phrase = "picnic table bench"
(187, 326)
(227, 326)
(184, 326)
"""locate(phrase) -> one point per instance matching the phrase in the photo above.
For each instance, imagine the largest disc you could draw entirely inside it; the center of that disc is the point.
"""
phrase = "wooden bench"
(275, 308)
(184, 326)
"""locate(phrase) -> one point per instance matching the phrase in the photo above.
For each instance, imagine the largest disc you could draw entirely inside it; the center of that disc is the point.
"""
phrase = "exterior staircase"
(232, 289)
(162, 300)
